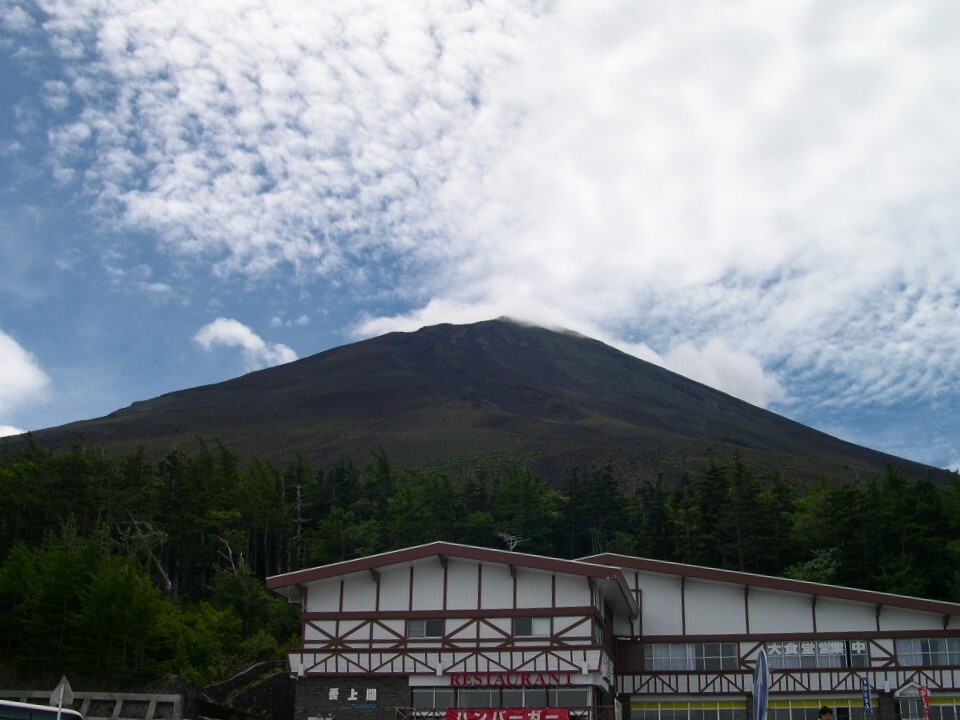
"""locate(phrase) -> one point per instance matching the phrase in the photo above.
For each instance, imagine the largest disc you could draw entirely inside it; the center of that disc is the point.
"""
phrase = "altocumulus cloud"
(771, 187)
(282, 132)
(22, 381)
(230, 333)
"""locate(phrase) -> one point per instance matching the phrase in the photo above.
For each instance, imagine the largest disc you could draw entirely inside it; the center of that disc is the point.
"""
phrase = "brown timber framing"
(407, 660)
(746, 608)
(349, 640)
(882, 671)
(870, 635)
(683, 605)
(287, 583)
(768, 582)
(845, 680)
(444, 563)
(480, 588)
(410, 588)
(555, 611)
(592, 586)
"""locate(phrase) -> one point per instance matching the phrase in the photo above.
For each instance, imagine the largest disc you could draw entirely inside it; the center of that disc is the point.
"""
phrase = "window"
(802, 709)
(427, 628)
(523, 697)
(511, 697)
(805, 709)
(691, 657)
(531, 627)
(478, 698)
(668, 656)
(440, 698)
(718, 656)
(597, 633)
(911, 708)
(928, 652)
(690, 710)
(569, 697)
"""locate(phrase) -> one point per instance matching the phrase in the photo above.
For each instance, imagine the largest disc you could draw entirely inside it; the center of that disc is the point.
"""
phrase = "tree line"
(130, 569)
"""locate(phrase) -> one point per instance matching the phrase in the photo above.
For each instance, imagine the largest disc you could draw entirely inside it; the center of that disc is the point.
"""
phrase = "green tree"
(683, 513)
(418, 509)
(651, 518)
(117, 629)
(593, 510)
(205, 642)
(524, 506)
(268, 622)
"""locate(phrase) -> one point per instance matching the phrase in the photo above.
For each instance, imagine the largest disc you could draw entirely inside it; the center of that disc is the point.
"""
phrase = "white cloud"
(771, 180)
(8, 430)
(22, 381)
(764, 196)
(56, 95)
(230, 333)
(16, 19)
(300, 321)
(281, 132)
(718, 365)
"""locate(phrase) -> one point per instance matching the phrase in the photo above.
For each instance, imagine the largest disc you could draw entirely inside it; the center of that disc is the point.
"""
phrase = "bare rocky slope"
(456, 395)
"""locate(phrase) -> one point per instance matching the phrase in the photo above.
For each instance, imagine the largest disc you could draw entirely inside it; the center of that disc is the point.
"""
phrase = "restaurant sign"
(511, 679)
(508, 714)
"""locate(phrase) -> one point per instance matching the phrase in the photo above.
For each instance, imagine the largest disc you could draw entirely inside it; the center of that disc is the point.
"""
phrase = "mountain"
(451, 394)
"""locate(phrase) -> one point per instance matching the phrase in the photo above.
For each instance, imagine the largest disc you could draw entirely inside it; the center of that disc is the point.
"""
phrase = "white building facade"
(466, 633)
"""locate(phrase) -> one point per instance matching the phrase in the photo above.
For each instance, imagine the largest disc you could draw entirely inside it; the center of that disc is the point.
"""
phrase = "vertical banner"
(761, 686)
(865, 689)
(925, 699)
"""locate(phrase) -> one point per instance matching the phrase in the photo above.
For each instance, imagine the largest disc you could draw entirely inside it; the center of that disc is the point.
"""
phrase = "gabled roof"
(611, 579)
(775, 583)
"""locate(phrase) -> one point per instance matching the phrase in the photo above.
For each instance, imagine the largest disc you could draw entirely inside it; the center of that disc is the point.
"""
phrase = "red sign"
(511, 679)
(925, 699)
(508, 714)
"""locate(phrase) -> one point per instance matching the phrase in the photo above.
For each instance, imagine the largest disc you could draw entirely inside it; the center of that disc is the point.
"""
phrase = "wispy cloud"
(763, 196)
(300, 321)
(22, 380)
(257, 353)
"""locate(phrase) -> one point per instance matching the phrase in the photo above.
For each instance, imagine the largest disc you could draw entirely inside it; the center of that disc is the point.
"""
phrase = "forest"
(130, 569)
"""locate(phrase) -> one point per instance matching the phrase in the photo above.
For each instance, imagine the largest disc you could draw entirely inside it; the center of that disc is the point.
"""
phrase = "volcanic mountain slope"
(460, 393)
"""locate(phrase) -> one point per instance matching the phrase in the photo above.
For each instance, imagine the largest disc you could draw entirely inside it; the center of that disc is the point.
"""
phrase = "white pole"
(60, 703)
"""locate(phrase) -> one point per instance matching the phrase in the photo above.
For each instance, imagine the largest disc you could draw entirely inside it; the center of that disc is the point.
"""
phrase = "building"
(416, 632)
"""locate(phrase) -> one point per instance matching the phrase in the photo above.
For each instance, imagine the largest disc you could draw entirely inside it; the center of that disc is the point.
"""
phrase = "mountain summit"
(456, 393)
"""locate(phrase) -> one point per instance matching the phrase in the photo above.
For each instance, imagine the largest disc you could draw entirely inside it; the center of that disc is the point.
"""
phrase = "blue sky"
(760, 196)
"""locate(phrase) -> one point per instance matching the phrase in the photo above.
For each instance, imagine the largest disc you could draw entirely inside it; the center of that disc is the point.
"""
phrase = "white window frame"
(538, 627)
(424, 628)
